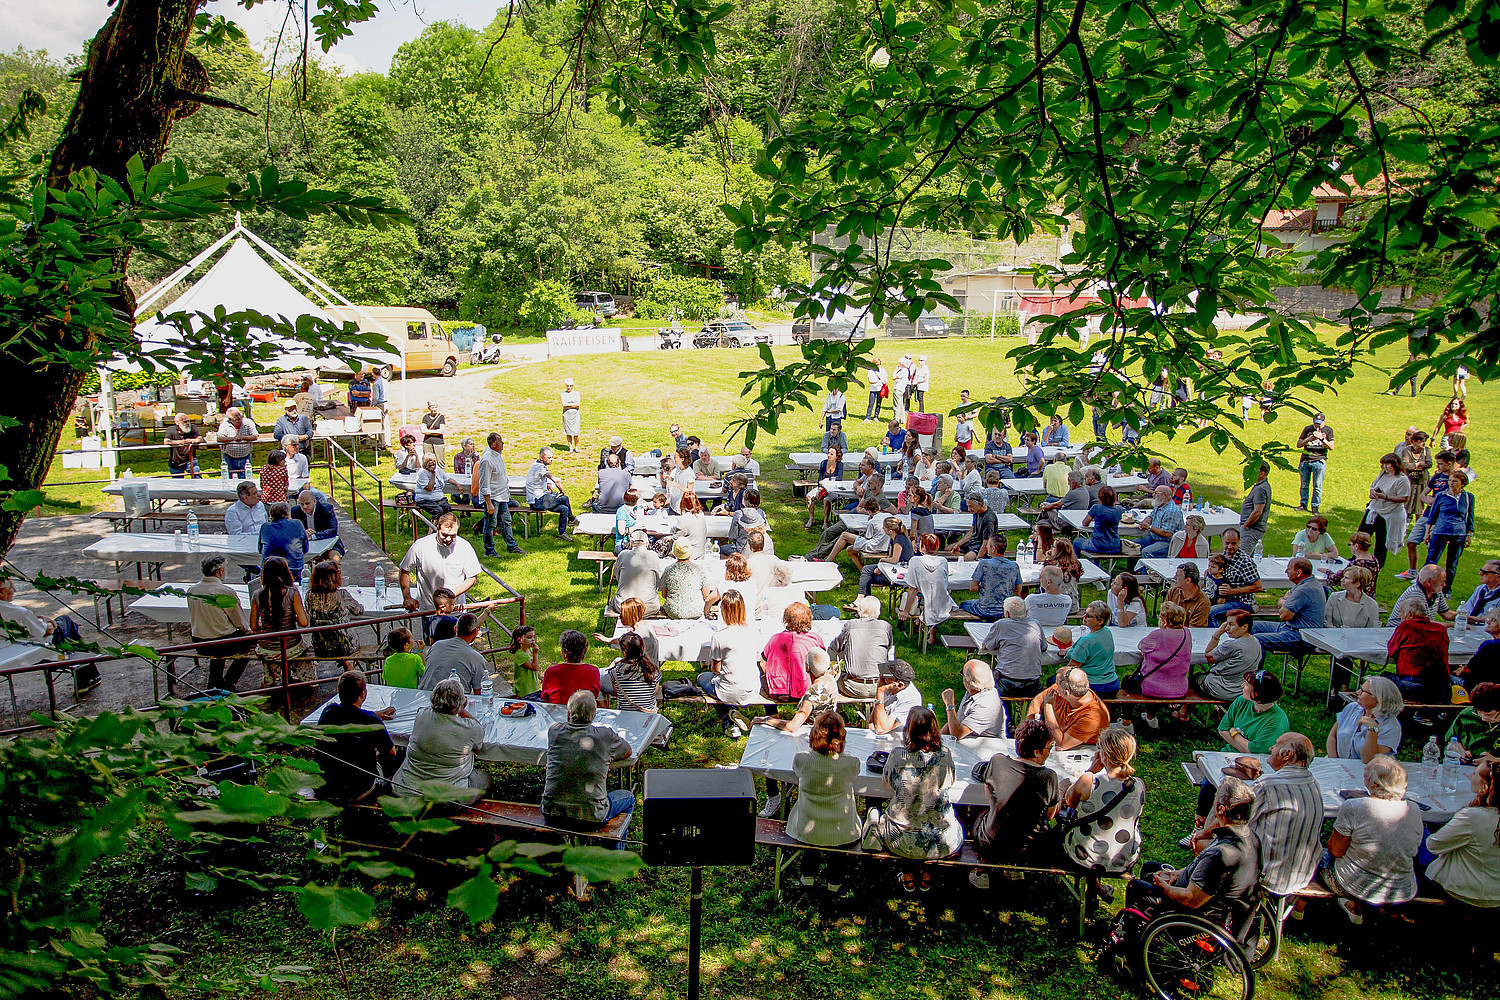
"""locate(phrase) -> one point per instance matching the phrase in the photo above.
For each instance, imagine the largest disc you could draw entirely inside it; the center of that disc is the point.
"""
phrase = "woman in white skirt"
(571, 414)
(1385, 517)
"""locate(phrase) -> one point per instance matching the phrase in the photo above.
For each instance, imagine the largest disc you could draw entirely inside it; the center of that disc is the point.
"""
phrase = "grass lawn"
(874, 941)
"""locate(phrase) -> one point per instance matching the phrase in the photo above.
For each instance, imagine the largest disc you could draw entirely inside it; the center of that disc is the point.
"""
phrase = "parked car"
(415, 334)
(602, 303)
(926, 325)
(839, 329)
(730, 333)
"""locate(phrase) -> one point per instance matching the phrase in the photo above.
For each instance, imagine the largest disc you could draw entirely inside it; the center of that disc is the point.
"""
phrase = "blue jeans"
(621, 803)
(1156, 550)
(972, 606)
(66, 630)
(1450, 545)
(825, 612)
(1105, 690)
(1218, 611)
(179, 471)
(1277, 637)
(558, 502)
(501, 516)
(873, 409)
(1101, 427)
(867, 577)
(237, 466)
(1312, 473)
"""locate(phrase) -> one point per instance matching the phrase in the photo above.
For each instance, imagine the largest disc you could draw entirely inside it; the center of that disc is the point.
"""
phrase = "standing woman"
(927, 576)
(1454, 420)
(1450, 525)
(433, 439)
(1385, 517)
(572, 415)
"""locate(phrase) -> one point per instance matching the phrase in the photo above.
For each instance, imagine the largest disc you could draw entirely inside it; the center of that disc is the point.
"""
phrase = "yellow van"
(429, 348)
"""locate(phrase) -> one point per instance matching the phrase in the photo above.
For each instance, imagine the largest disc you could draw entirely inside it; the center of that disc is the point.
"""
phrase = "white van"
(429, 348)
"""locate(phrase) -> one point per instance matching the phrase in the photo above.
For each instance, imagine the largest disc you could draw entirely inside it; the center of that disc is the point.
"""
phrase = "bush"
(669, 295)
(1006, 324)
(126, 381)
(549, 305)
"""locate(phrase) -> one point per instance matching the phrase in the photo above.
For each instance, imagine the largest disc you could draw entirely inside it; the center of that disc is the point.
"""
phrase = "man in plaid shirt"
(1241, 580)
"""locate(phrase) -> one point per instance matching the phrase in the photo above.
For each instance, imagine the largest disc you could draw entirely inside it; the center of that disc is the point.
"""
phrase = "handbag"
(885, 391)
(875, 763)
(1133, 683)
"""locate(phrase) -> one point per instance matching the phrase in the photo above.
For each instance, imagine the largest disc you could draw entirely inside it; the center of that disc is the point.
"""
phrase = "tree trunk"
(137, 82)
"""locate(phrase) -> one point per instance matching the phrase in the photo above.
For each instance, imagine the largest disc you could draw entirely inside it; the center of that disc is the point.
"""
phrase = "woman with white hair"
(864, 644)
(1369, 854)
(576, 795)
(1370, 725)
(927, 577)
(445, 740)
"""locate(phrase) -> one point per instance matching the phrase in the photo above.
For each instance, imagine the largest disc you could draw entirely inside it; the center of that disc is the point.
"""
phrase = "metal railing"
(332, 451)
(253, 647)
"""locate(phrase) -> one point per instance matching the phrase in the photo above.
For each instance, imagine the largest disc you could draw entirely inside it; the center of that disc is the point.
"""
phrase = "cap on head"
(898, 670)
(616, 441)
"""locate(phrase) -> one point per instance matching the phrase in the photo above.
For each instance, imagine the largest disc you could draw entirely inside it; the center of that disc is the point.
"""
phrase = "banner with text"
(603, 341)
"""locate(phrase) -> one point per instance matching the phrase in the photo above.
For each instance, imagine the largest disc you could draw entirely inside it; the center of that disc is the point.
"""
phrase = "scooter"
(671, 337)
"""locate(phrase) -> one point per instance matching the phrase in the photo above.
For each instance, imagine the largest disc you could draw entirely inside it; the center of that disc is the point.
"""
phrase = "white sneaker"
(773, 804)
(979, 879)
(738, 721)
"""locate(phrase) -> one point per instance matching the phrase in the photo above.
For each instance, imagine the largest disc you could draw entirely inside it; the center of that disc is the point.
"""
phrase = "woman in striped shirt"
(635, 678)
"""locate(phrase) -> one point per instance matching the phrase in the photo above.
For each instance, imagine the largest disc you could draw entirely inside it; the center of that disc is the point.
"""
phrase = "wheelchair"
(1178, 955)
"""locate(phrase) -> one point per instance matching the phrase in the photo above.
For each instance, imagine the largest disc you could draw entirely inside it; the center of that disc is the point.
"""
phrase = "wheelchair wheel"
(1184, 956)
(1267, 924)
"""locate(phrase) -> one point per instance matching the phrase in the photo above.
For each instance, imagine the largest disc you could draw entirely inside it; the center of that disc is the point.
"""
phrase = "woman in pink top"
(784, 660)
(1166, 655)
(1454, 419)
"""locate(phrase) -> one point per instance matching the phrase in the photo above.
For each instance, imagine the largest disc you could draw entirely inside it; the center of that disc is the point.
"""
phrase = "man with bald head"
(981, 712)
(317, 517)
(1287, 818)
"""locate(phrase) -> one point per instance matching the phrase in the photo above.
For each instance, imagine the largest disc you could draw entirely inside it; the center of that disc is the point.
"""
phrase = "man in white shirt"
(544, 492)
(749, 464)
(834, 407)
(440, 559)
(53, 630)
(1048, 606)
(237, 436)
(296, 462)
(921, 381)
(895, 696)
(637, 573)
(981, 713)
(876, 376)
(247, 513)
(490, 488)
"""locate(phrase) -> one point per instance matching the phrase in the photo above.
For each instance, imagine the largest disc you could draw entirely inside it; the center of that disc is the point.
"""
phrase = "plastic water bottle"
(487, 692)
(1260, 550)
(379, 583)
(1432, 759)
(224, 468)
(1453, 759)
(129, 474)
(192, 523)
(1461, 620)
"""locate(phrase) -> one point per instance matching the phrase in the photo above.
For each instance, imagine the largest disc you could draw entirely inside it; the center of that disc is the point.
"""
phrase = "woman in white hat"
(572, 416)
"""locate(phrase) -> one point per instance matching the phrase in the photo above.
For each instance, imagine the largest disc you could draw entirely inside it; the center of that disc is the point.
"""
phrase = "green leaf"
(600, 864)
(476, 897)
(329, 906)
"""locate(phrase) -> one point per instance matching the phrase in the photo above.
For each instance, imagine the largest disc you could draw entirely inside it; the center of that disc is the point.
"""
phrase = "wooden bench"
(772, 833)
(603, 558)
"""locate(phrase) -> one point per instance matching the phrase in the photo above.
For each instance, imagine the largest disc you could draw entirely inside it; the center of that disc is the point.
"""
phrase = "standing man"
(1316, 441)
(835, 406)
(877, 385)
(490, 488)
(237, 436)
(900, 386)
(437, 560)
(920, 383)
(544, 492)
(293, 424)
(1255, 511)
(214, 612)
(183, 439)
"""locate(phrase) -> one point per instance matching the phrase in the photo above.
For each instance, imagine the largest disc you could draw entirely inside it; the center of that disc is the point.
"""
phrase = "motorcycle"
(671, 338)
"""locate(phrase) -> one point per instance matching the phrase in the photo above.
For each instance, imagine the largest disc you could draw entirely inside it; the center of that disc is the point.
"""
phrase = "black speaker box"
(699, 817)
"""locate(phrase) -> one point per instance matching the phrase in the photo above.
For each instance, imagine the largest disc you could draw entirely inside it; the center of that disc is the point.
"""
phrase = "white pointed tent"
(252, 274)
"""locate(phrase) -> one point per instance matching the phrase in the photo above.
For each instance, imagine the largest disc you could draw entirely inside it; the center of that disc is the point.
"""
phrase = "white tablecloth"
(1335, 774)
(1369, 644)
(1033, 485)
(812, 459)
(23, 654)
(172, 609)
(1214, 522)
(690, 641)
(1127, 642)
(940, 522)
(649, 486)
(806, 575)
(1272, 569)
(961, 574)
(146, 547)
(649, 465)
(769, 752)
(600, 525)
(512, 740)
(166, 488)
(408, 481)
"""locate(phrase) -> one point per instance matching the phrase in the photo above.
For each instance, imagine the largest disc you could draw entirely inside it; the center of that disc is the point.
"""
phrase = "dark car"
(926, 325)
